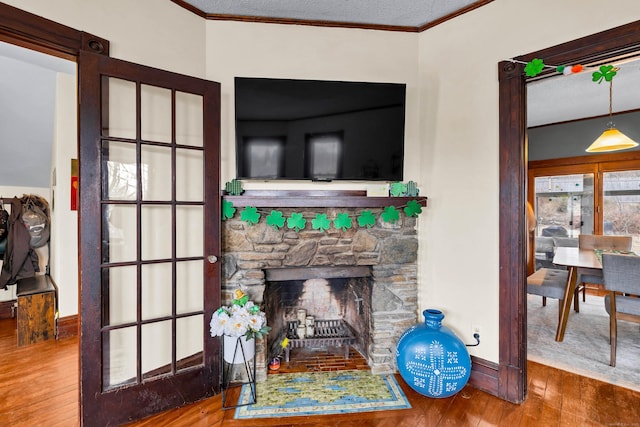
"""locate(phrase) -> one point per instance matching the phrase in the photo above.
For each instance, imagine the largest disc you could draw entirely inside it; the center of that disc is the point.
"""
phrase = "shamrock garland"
(366, 219)
(297, 222)
(537, 65)
(320, 222)
(250, 214)
(276, 220)
(342, 222)
(227, 210)
(390, 214)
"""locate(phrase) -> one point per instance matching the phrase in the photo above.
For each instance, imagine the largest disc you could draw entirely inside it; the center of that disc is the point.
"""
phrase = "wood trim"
(330, 24)
(68, 326)
(34, 32)
(594, 158)
(512, 367)
(484, 375)
(6, 309)
(513, 168)
(317, 199)
(310, 22)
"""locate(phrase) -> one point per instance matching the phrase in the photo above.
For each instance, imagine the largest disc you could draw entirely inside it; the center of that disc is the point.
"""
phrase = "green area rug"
(318, 393)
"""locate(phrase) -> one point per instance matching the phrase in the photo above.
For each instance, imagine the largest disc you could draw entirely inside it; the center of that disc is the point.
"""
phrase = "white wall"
(64, 230)
(157, 33)
(301, 52)
(459, 130)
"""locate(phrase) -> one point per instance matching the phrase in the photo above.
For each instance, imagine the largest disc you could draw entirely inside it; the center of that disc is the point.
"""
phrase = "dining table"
(572, 258)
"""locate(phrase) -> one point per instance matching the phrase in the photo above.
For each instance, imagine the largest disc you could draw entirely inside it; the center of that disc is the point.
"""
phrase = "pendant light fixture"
(611, 139)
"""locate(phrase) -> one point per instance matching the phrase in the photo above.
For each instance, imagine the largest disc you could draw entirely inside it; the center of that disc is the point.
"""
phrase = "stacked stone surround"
(389, 249)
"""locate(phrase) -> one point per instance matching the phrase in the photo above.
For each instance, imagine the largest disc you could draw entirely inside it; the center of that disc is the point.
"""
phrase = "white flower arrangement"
(242, 317)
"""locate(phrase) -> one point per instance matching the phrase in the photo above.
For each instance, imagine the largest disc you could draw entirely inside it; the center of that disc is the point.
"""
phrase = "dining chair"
(622, 280)
(546, 282)
(594, 276)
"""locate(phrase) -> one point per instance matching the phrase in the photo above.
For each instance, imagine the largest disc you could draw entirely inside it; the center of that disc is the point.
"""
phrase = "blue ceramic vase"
(432, 359)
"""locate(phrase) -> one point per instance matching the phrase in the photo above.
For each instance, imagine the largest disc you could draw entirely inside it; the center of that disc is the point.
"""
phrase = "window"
(621, 205)
(564, 205)
(582, 195)
(324, 154)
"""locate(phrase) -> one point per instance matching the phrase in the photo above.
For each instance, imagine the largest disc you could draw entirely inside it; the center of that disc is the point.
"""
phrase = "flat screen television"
(319, 130)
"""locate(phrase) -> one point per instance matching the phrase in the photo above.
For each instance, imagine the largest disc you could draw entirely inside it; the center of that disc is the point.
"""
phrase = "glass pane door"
(564, 210)
(621, 207)
(149, 221)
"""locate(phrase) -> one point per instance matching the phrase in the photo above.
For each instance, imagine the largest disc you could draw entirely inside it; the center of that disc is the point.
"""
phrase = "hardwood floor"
(39, 387)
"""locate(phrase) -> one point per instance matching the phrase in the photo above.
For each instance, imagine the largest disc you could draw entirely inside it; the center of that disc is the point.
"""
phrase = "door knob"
(212, 259)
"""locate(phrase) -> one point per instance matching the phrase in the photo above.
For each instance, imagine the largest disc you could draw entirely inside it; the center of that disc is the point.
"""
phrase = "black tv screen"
(319, 130)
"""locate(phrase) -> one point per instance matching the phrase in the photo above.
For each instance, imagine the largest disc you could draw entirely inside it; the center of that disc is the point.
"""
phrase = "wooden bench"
(36, 309)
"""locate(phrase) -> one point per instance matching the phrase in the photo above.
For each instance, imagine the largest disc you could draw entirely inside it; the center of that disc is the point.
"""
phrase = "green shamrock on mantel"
(413, 208)
(390, 214)
(366, 219)
(250, 214)
(321, 222)
(534, 67)
(607, 72)
(228, 211)
(296, 221)
(275, 219)
(398, 189)
(342, 222)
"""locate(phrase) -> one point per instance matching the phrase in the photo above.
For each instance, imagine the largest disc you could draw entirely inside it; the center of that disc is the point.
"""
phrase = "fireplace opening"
(323, 311)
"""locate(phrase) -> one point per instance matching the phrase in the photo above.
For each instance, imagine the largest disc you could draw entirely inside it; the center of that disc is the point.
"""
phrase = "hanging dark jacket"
(20, 259)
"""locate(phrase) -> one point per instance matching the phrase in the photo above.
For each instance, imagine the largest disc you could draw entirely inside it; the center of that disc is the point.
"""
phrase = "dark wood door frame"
(28, 30)
(604, 46)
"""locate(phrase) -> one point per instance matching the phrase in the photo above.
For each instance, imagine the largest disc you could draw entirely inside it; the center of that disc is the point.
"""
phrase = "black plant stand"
(247, 370)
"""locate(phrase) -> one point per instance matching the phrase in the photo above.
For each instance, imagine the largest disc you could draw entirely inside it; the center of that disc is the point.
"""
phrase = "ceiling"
(415, 14)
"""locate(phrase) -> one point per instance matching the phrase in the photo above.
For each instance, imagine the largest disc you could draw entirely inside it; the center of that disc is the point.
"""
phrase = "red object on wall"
(74, 184)
(74, 193)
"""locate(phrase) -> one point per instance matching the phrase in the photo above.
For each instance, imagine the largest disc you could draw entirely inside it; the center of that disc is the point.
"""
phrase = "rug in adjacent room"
(319, 393)
(585, 349)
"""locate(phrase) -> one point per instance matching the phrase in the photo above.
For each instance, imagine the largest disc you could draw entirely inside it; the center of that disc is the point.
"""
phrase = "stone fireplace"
(373, 271)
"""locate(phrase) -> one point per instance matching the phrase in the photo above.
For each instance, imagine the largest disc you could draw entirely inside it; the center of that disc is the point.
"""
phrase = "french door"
(149, 242)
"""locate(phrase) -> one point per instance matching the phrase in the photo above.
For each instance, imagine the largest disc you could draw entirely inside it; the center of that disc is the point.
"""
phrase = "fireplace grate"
(334, 332)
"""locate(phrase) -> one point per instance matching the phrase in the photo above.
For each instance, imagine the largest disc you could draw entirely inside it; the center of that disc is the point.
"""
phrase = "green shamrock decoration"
(390, 214)
(412, 189)
(342, 222)
(398, 189)
(366, 219)
(276, 220)
(413, 208)
(227, 210)
(250, 214)
(321, 222)
(296, 221)
(534, 67)
(607, 72)
(234, 187)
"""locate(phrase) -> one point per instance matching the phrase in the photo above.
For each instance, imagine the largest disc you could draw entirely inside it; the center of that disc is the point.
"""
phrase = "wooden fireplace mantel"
(317, 199)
